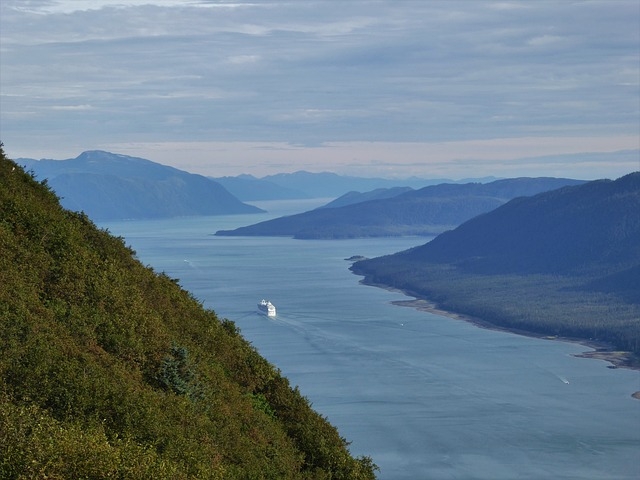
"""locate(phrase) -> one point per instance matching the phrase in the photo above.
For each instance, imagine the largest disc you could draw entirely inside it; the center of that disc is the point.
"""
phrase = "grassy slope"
(108, 369)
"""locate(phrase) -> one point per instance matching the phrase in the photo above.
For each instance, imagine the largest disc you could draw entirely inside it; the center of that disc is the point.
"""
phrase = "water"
(426, 396)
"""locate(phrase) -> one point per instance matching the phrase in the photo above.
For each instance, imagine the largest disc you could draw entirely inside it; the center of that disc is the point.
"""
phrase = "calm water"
(426, 396)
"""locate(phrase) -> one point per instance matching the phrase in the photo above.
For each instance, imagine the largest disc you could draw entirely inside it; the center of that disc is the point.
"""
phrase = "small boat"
(268, 308)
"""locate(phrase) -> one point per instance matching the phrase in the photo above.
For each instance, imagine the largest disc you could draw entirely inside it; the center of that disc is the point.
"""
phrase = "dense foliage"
(565, 262)
(110, 370)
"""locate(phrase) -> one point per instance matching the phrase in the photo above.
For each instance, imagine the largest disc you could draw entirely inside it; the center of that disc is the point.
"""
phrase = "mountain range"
(109, 186)
(427, 211)
(304, 184)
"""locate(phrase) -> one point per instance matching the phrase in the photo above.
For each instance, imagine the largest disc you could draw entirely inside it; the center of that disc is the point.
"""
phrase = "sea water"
(426, 396)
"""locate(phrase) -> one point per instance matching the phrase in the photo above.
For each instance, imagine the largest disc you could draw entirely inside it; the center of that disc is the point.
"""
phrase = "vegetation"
(110, 370)
(564, 263)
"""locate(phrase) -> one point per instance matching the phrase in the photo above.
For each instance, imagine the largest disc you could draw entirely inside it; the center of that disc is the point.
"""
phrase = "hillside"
(564, 262)
(111, 370)
(428, 211)
(107, 186)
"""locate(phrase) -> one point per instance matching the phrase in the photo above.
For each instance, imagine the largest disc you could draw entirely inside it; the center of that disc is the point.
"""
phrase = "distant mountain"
(332, 185)
(566, 230)
(351, 198)
(248, 188)
(108, 186)
(564, 262)
(326, 184)
(428, 211)
(301, 184)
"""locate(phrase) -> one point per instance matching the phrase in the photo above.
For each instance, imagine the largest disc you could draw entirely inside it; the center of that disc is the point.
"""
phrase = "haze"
(371, 88)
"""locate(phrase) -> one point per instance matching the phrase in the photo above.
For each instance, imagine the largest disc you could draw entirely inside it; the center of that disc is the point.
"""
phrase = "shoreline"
(601, 350)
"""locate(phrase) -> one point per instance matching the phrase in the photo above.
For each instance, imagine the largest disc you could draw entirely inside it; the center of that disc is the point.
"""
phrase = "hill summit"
(110, 370)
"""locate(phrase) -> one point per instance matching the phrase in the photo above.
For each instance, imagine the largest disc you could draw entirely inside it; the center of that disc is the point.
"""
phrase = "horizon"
(625, 154)
(390, 89)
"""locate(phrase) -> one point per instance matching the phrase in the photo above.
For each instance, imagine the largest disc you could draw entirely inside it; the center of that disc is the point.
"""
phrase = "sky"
(388, 88)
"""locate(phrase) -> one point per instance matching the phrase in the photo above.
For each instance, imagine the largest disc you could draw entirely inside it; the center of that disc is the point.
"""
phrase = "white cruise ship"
(268, 308)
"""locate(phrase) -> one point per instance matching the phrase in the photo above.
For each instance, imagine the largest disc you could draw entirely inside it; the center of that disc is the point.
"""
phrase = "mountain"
(332, 185)
(428, 211)
(301, 184)
(326, 184)
(108, 186)
(351, 198)
(249, 188)
(565, 230)
(564, 262)
(111, 370)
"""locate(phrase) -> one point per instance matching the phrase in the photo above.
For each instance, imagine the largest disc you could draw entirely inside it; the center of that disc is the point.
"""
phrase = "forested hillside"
(428, 211)
(565, 262)
(111, 370)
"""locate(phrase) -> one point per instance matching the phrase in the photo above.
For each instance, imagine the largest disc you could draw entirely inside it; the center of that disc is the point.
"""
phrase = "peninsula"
(560, 264)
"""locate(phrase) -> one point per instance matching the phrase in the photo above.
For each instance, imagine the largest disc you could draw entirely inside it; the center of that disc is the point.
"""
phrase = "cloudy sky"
(433, 88)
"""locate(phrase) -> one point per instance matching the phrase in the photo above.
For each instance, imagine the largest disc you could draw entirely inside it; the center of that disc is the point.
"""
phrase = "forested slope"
(565, 262)
(110, 370)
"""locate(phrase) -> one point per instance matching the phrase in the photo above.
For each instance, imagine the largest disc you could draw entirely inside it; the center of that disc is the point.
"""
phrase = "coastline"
(600, 350)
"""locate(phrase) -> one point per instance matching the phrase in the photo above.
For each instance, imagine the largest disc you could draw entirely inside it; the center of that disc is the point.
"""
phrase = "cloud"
(307, 73)
(71, 107)
(577, 157)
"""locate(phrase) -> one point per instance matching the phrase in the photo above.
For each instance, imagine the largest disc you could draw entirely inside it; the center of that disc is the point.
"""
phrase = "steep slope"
(108, 186)
(563, 262)
(110, 370)
(428, 211)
